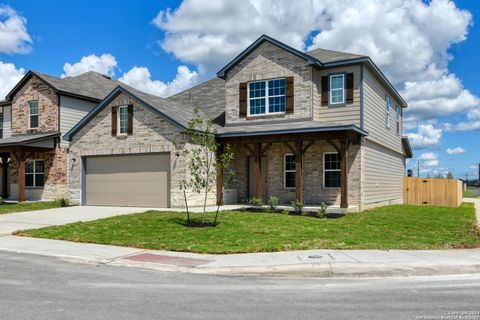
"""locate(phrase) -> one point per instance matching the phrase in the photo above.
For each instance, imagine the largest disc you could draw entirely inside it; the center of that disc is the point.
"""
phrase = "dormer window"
(33, 114)
(337, 89)
(266, 97)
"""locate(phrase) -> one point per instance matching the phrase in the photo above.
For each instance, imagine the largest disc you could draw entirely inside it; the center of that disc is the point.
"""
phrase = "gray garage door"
(133, 180)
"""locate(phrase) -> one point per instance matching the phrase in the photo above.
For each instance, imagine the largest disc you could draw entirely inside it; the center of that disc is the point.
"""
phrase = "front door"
(251, 177)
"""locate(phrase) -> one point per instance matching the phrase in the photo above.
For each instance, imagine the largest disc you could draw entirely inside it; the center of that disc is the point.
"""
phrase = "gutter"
(291, 131)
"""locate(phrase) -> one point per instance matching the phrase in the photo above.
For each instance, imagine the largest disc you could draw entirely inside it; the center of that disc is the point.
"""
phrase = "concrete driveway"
(11, 222)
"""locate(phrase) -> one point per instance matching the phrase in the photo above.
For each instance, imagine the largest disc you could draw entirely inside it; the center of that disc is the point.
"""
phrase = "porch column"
(257, 171)
(299, 171)
(219, 177)
(344, 173)
(21, 179)
(5, 177)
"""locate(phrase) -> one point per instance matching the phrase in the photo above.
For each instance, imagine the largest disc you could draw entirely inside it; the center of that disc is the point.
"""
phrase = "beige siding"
(383, 175)
(375, 113)
(7, 121)
(345, 114)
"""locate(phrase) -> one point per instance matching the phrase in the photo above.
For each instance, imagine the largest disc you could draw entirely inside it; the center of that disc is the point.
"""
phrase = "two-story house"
(34, 116)
(320, 126)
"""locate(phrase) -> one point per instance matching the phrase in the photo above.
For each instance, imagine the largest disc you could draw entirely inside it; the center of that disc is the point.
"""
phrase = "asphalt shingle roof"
(25, 139)
(326, 56)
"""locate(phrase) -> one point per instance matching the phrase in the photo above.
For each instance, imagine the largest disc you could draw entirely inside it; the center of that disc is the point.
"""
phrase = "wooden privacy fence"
(432, 192)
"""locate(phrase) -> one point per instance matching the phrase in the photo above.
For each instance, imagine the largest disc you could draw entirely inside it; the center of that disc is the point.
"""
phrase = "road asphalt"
(40, 288)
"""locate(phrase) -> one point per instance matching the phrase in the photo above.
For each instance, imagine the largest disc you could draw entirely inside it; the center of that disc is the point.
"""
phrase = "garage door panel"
(139, 180)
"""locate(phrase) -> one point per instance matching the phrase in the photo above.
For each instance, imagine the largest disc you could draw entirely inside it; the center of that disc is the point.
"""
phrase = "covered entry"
(127, 180)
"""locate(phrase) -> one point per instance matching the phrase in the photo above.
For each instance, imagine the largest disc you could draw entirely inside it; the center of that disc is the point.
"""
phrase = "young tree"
(450, 175)
(204, 160)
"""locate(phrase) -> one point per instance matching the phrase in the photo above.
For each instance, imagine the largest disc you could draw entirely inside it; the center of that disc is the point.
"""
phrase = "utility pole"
(418, 168)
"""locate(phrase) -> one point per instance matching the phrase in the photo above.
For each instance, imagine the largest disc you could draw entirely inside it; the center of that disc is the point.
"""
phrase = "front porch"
(308, 167)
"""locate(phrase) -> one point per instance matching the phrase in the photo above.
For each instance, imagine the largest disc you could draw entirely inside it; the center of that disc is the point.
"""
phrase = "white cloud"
(408, 39)
(426, 136)
(457, 150)
(471, 124)
(14, 37)
(428, 159)
(140, 78)
(106, 64)
(9, 76)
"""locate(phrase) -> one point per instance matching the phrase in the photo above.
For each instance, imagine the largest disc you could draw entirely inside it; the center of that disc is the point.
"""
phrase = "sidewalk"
(309, 263)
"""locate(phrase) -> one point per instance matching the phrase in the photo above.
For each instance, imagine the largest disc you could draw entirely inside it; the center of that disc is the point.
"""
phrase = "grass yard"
(27, 206)
(392, 227)
(470, 193)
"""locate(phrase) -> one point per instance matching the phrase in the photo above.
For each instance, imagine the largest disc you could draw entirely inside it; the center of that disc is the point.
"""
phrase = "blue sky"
(165, 46)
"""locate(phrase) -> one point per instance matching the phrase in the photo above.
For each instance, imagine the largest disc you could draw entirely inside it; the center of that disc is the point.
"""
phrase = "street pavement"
(35, 287)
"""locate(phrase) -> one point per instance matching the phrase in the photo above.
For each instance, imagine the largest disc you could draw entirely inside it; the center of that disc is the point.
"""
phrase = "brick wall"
(151, 133)
(35, 89)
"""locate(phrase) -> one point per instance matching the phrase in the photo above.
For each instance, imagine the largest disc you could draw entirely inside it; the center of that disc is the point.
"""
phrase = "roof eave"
(223, 72)
(294, 130)
(407, 146)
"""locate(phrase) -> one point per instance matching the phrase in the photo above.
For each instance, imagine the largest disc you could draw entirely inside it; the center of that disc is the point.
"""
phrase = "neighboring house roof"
(209, 96)
(175, 113)
(407, 148)
(90, 85)
(319, 58)
(286, 128)
(4, 103)
(27, 139)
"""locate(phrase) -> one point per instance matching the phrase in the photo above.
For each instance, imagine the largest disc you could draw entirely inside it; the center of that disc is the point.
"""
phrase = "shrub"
(255, 204)
(272, 201)
(322, 212)
(297, 207)
(63, 202)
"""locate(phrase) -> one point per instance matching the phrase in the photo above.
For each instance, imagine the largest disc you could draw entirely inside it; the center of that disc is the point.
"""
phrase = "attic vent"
(107, 76)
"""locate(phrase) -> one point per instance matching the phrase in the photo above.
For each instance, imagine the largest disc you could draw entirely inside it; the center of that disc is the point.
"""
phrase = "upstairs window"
(266, 97)
(1, 123)
(331, 170)
(33, 114)
(337, 89)
(289, 171)
(34, 173)
(122, 120)
(398, 119)
(387, 112)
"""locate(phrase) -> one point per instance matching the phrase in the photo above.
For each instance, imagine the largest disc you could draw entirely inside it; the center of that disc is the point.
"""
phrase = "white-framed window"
(289, 171)
(34, 173)
(331, 170)
(337, 89)
(398, 119)
(266, 97)
(387, 112)
(122, 120)
(33, 114)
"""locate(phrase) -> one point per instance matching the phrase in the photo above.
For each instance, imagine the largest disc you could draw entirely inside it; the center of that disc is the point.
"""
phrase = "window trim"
(285, 171)
(331, 170)
(30, 115)
(387, 112)
(330, 96)
(266, 97)
(119, 133)
(34, 174)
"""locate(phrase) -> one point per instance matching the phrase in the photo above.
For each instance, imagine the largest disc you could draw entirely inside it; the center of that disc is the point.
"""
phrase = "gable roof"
(172, 111)
(90, 85)
(319, 58)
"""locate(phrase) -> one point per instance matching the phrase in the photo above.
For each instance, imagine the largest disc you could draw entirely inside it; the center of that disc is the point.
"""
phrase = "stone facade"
(35, 89)
(269, 62)
(151, 134)
(314, 191)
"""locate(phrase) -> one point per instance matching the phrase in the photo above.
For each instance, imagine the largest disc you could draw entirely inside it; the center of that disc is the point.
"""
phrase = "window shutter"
(243, 99)
(289, 95)
(325, 91)
(349, 87)
(130, 119)
(114, 121)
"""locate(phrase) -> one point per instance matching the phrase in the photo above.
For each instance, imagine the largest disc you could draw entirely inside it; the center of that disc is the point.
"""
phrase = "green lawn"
(27, 206)
(471, 192)
(392, 227)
